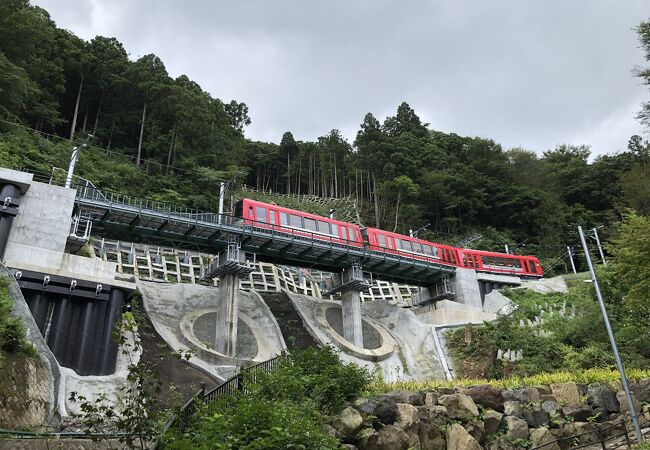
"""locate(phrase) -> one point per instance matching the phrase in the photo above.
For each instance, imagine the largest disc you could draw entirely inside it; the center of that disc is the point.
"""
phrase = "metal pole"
(73, 163)
(507, 249)
(612, 340)
(573, 266)
(600, 248)
(222, 193)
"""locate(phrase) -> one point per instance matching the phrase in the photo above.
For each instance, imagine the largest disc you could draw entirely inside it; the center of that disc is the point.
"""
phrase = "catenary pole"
(612, 340)
(600, 247)
(573, 266)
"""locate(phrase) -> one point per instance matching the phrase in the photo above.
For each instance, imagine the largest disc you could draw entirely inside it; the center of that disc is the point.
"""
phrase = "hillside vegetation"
(178, 142)
(566, 332)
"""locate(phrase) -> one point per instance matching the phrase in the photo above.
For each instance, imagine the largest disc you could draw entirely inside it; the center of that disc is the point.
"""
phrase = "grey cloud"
(531, 74)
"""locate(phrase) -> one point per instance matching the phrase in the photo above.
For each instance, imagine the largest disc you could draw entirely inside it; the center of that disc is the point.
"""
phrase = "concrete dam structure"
(228, 308)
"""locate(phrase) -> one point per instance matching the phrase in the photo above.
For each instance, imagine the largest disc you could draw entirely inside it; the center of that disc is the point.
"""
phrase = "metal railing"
(234, 385)
(598, 436)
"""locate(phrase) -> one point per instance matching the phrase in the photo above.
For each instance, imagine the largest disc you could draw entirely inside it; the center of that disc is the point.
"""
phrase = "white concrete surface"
(351, 312)
(167, 304)
(547, 285)
(21, 179)
(467, 288)
(225, 305)
(415, 357)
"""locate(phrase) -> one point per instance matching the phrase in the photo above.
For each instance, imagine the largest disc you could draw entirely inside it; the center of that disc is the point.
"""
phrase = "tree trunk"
(171, 146)
(83, 127)
(288, 174)
(99, 110)
(374, 188)
(76, 110)
(110, 136)
(399, 196)
(144, 116)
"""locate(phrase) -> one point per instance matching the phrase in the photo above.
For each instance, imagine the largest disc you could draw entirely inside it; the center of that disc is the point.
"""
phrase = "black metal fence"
(612, 436)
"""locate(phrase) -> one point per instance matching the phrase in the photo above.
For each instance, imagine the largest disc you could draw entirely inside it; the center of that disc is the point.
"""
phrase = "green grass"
(583, 377)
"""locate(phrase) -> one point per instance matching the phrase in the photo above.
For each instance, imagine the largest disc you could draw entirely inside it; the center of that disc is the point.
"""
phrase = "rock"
(543, 437)
(408, 419)
(542, 389)
(431, 438)
(546, 398)
(392, 437)
(492, 420)
(518, 395)
(501, 443)
(365, 405)
(368, 439)
(476, 429)
(533, 394)
(348, 423)
(601, 396)
(535, 419)
(551, 407)
(459, 406)
(407, 416)
(645, 412)
(423, 413)
(622, 400)
(487, 396)
(588, 431)
(349, 446)
(580, 413)
(415, 398)
(430, 399)
(512, 408)
(516, 428)
(601, 414)
(459, 439)
(438, 415)
(447, 391)
(612, 428)
(641, 390)
(563, 437)
(385, 410)
(566, 393)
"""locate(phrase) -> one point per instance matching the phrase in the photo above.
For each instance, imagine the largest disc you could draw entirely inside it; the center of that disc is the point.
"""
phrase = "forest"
(164, 137)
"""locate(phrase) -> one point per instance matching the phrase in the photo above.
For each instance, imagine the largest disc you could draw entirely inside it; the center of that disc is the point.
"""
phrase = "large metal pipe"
(83, 358)
(109, 346)
(9, 194)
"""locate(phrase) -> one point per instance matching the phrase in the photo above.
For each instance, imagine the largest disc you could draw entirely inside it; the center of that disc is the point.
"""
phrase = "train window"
(351, 233)
(381, 239)
(272, 216)
(406, 245)
(323, 227)
(296, 221)
(417, 247)
(310, 224)
(260, 214)
(426, 249)
(398, 243)
(335, 229)
(239, 208)
(250, 212)
(284, 218)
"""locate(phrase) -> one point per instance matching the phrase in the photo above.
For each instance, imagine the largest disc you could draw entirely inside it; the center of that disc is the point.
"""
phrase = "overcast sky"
(525, 73)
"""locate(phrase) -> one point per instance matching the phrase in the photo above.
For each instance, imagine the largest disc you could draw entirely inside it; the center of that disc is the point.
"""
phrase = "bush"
(284, 408)
(246, 422)
(12, 330)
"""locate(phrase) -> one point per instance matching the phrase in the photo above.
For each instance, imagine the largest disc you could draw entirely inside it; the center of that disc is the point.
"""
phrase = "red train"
(316, 227)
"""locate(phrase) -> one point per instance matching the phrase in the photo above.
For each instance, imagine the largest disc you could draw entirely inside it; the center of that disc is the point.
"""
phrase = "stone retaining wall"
(483, 417)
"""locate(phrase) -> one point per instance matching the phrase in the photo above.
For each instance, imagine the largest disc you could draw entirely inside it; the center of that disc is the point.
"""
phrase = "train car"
(298, 223)
(386, 241)
(500, 263)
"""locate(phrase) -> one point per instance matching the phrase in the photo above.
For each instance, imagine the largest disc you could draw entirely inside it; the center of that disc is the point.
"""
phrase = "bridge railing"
(112, 200)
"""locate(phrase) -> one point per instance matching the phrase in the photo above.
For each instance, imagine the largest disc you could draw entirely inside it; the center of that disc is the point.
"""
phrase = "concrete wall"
(467, 288)
(41, 228)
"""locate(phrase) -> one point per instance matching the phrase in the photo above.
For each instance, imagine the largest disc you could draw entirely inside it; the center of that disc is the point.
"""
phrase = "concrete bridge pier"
(229, 266)
(350, 284)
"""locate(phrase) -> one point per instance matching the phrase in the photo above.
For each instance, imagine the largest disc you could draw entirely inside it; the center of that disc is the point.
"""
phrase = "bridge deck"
(160, 223)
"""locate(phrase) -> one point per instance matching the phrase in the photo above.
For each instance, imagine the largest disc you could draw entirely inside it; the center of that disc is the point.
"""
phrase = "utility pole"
(600, 248)
(222, 193)
(73, 160)
(507, 249)
(573, 266)
(612, 340)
